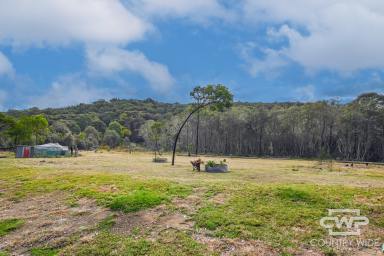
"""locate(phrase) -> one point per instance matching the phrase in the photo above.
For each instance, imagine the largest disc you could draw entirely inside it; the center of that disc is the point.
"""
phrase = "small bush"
(211, 163)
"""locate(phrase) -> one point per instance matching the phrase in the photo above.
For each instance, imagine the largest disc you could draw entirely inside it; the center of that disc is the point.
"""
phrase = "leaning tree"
(217, 97)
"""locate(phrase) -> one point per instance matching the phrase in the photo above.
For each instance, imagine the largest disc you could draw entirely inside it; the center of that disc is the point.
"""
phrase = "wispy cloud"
(6, 67)
(69, 90)
(110, 61)
(200, 11)
(269, 62)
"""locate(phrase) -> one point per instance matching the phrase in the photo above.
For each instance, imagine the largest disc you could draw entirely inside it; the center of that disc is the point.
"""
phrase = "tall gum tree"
(216, 97)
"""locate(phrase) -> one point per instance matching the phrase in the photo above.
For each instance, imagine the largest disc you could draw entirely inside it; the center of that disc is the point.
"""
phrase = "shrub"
(211, 163)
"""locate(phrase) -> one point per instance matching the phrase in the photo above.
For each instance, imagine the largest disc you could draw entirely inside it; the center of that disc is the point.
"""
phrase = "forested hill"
(108, 110)
(353, 131)
(130, 113)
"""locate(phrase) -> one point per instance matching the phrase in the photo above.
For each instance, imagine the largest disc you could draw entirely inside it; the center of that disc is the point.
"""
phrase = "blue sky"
(64, 52)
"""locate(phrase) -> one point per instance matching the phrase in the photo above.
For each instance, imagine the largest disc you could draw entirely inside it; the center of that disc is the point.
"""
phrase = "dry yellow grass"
(243, 170)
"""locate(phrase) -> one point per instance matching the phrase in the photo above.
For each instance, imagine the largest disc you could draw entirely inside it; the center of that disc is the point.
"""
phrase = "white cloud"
(269, 64)
(344, 36)
(196, 10)
(114, 60)
(26, 22)
(6, 67)
(116, 22)
(69, 90)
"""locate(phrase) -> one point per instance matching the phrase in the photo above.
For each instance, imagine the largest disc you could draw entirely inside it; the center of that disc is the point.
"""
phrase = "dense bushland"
(353, 131)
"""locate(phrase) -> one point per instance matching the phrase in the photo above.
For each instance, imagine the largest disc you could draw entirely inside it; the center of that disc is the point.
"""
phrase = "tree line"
(35, 129)
(112, 123)
(326, 129)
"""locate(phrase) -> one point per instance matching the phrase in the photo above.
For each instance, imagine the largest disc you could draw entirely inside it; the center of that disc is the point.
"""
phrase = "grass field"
(115, 203)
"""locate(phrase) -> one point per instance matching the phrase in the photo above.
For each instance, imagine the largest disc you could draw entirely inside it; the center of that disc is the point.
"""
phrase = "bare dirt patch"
(108, 189)
(370, 252)
(49, 222)
(138, 222)
(189, 204)
(219, 198)
(228, 246)
(150, 223)
(155, 223)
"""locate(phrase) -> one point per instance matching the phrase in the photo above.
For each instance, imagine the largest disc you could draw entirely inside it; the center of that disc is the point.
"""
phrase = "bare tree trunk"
(181, 128)
(197, 133)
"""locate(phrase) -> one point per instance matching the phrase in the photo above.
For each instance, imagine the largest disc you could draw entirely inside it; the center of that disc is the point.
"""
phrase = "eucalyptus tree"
(216, 97)
(152, 131)
(117, 127)
(198, 95)
(91, 137)
(6, 124)
(111, 138)
(29, 129)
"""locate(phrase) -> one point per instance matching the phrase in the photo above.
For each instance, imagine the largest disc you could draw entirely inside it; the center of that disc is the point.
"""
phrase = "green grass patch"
(72, 201)
(282, 214)
(130, 194)
(296, 195)
(136, 201)
(44, 252)
(107, 223)
(9, 225)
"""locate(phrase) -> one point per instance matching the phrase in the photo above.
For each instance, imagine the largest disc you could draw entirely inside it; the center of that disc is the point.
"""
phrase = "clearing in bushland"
(115, 203)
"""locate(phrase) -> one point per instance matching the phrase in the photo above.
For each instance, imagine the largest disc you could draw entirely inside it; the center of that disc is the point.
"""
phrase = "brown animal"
(196, 164)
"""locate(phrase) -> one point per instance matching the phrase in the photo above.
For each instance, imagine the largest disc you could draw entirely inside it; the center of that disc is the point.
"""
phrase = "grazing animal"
(196, 164)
